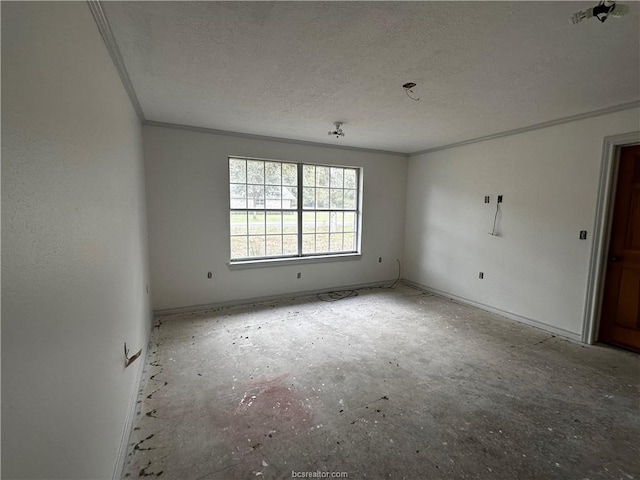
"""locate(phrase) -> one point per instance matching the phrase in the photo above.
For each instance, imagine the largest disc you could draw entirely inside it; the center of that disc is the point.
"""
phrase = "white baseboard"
(268, 298)
(131, 409)
(510, 315)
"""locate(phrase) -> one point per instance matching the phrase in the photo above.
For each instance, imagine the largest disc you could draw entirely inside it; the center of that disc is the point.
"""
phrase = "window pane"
(350, 200)
(308, 243)
(337, 177)
(350, 178)
(273, 173)
(274, 222)
(238, 247)
(273, 195)
(290, 244)
(256, 223)
(349, 222)
(308, 197)
(322, 242)
(290, 197)
(309, 175)
(238, 196)
(349, 242)
(290, 222)
(289, 174)
(237, 170)
(337, 198)
(255, 196)
(264, 212)
(256, 246)
(308, 222)
(322, 198)
(336, 219)
(322, 222)
(274, 245)
(255, 171)
(335, 242)
(322, 176)
(238, 223)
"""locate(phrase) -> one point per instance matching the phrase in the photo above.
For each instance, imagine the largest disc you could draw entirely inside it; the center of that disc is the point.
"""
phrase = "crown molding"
(104, 28)
(537, 126)
(112, 47)
(212, 131)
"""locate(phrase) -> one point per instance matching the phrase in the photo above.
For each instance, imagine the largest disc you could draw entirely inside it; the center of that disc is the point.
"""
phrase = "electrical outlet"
(299, 275)
(583, 234)
(481, 275)
(487, 199)
(209, 275)
(499, 198)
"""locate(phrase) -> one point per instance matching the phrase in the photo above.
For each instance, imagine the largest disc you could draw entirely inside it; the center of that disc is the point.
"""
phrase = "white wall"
(188, 203)
(74, 255)
(537, 268)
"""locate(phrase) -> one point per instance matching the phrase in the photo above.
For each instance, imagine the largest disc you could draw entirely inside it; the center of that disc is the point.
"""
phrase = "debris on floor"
(386, 384)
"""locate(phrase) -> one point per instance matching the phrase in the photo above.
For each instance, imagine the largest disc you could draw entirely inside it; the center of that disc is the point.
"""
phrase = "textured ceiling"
(290, 69)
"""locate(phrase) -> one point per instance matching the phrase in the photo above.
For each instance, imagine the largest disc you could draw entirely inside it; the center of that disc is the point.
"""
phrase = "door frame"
(602, 231)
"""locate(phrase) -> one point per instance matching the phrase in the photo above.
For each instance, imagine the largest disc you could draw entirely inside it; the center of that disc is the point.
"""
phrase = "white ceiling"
(290, 69)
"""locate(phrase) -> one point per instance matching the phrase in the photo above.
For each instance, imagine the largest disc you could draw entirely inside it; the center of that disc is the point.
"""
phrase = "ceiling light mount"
(408, 89)
(602, 11)
(337, 132)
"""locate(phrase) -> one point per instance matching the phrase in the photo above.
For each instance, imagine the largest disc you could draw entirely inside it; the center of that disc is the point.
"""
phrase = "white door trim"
(602, 230)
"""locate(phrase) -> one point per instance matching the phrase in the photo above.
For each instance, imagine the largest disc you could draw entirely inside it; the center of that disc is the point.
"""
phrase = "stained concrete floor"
(388, 384)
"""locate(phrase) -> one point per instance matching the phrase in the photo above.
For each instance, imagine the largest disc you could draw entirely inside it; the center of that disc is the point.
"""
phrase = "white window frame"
(300, 210)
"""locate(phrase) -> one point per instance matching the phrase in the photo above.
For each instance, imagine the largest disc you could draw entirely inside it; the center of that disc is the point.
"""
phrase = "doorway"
(620, 312)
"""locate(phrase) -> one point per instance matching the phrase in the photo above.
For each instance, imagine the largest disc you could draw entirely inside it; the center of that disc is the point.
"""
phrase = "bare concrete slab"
(391, 383)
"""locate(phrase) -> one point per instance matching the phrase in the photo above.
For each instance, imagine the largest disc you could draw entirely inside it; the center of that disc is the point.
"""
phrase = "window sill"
(280, 262)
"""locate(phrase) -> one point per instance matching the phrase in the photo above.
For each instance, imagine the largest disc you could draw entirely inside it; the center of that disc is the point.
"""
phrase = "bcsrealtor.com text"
(319, 474)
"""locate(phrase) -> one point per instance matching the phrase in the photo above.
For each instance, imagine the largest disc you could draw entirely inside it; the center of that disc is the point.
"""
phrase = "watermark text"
(319, 474)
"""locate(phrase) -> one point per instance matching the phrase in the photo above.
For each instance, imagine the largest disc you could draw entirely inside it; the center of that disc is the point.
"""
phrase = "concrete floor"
(389, 384)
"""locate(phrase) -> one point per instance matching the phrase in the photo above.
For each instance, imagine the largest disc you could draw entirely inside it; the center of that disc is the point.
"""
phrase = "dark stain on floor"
(267, 409)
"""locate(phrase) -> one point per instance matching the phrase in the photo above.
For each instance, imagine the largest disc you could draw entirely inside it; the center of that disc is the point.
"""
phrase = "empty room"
(272, 240)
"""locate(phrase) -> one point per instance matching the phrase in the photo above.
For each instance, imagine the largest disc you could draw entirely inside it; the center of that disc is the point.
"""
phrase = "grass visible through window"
(267, 208)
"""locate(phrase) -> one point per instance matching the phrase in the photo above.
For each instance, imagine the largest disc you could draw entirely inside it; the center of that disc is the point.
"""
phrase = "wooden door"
(620, 316)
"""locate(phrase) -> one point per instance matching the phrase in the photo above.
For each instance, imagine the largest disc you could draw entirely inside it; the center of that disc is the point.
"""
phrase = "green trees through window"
(280, 209)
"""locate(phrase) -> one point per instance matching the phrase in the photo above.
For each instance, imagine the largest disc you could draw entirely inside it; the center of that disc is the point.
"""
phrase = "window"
(280, 209)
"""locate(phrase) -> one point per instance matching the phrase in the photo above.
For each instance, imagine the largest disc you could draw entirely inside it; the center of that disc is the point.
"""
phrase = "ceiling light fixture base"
(338, 132)
(408, 89)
